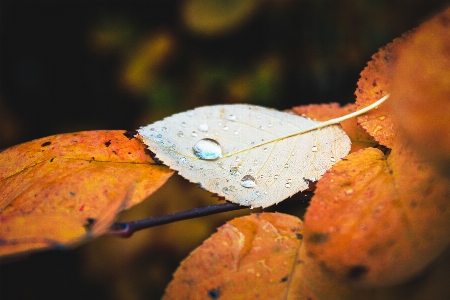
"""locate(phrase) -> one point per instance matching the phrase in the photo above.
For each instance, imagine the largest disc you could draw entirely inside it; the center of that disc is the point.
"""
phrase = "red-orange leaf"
(374, 84)
(378, 219)
(249, 257)
(421, 90)
(61, 189)
(324, 112)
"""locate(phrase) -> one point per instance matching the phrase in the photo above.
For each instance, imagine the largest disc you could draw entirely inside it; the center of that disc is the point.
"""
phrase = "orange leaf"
(247, 258)
(323, 112)
(378, 219)
(374, 84)
(421, 90)
(61, 189)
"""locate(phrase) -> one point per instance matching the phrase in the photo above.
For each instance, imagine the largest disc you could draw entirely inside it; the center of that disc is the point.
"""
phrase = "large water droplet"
(207, 149)
(203, 127)
(248, 181)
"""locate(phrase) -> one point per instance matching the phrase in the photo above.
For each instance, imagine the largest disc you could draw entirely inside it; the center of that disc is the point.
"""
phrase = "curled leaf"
(421, 90)
(62, 189)
(248, 154)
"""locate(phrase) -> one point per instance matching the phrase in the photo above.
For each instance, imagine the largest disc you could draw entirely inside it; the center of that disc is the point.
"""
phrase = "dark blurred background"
(85, 65)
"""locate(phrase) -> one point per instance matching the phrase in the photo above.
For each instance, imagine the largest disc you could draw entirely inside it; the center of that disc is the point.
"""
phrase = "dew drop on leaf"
(203, 127)
(207, 149)
(231, 118)
(194, 134)
(180, 134)
(248, 181)
(314, 149)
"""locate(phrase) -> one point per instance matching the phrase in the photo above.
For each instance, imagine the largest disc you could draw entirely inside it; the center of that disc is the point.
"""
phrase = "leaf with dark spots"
(47, 196)
(46, 144)
(318, 237)
(108, 143)
(364, 206)
(213, 294)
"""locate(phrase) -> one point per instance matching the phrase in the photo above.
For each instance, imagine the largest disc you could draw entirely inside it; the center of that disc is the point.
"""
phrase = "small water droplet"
(314, 149)
(257, 193)
(332, 158)
(236, 132)
(159, 136)
(259, 117)
(286, 165)
(173, 148)
(180, 134)
(269, 125)
(255, 162)
(265, 192)
(232, 188)
(289, 180)
(281, 123)
(220, 123)
(152, 129)
(183, 124)
(183, 160)
(164, 129)
(203, 127)
(248, 181)
(251, 207)
(225, 190)
(261, 176)
(288, 185)
(190, 113)
(191, 167)
(194, 133)
(349, 192)
(250, 171)
(225, 128)
(265, 149)
(231, 118)
(261, 127)
(276, 177)
(234, 171)
(207, 149)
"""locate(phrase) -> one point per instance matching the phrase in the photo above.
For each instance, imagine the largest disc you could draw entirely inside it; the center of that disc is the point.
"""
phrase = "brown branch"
(128, 228)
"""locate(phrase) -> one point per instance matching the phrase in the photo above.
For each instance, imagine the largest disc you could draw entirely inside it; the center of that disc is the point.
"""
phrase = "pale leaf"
(247, 154)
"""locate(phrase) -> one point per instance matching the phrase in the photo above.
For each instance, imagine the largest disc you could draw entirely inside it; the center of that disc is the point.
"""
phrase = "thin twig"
(128, 228)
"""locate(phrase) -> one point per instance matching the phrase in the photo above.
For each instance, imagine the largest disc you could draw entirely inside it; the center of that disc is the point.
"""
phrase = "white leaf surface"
(241, 152)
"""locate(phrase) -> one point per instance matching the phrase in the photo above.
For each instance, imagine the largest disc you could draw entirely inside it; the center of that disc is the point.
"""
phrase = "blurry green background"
(84, 65)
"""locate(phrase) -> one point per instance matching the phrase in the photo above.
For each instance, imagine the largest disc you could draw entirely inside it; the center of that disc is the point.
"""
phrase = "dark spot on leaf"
(46, 144)
(72, 194)
(318, 237)
(374, 83)
(357, 272)
(413, 204)
(108, 143)
(89, 223)
(130, 134)
(213, 294)
(299, 236)
(284, 279)
(114, 152)
(51, 160)
(360, 91)
(153, 156)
